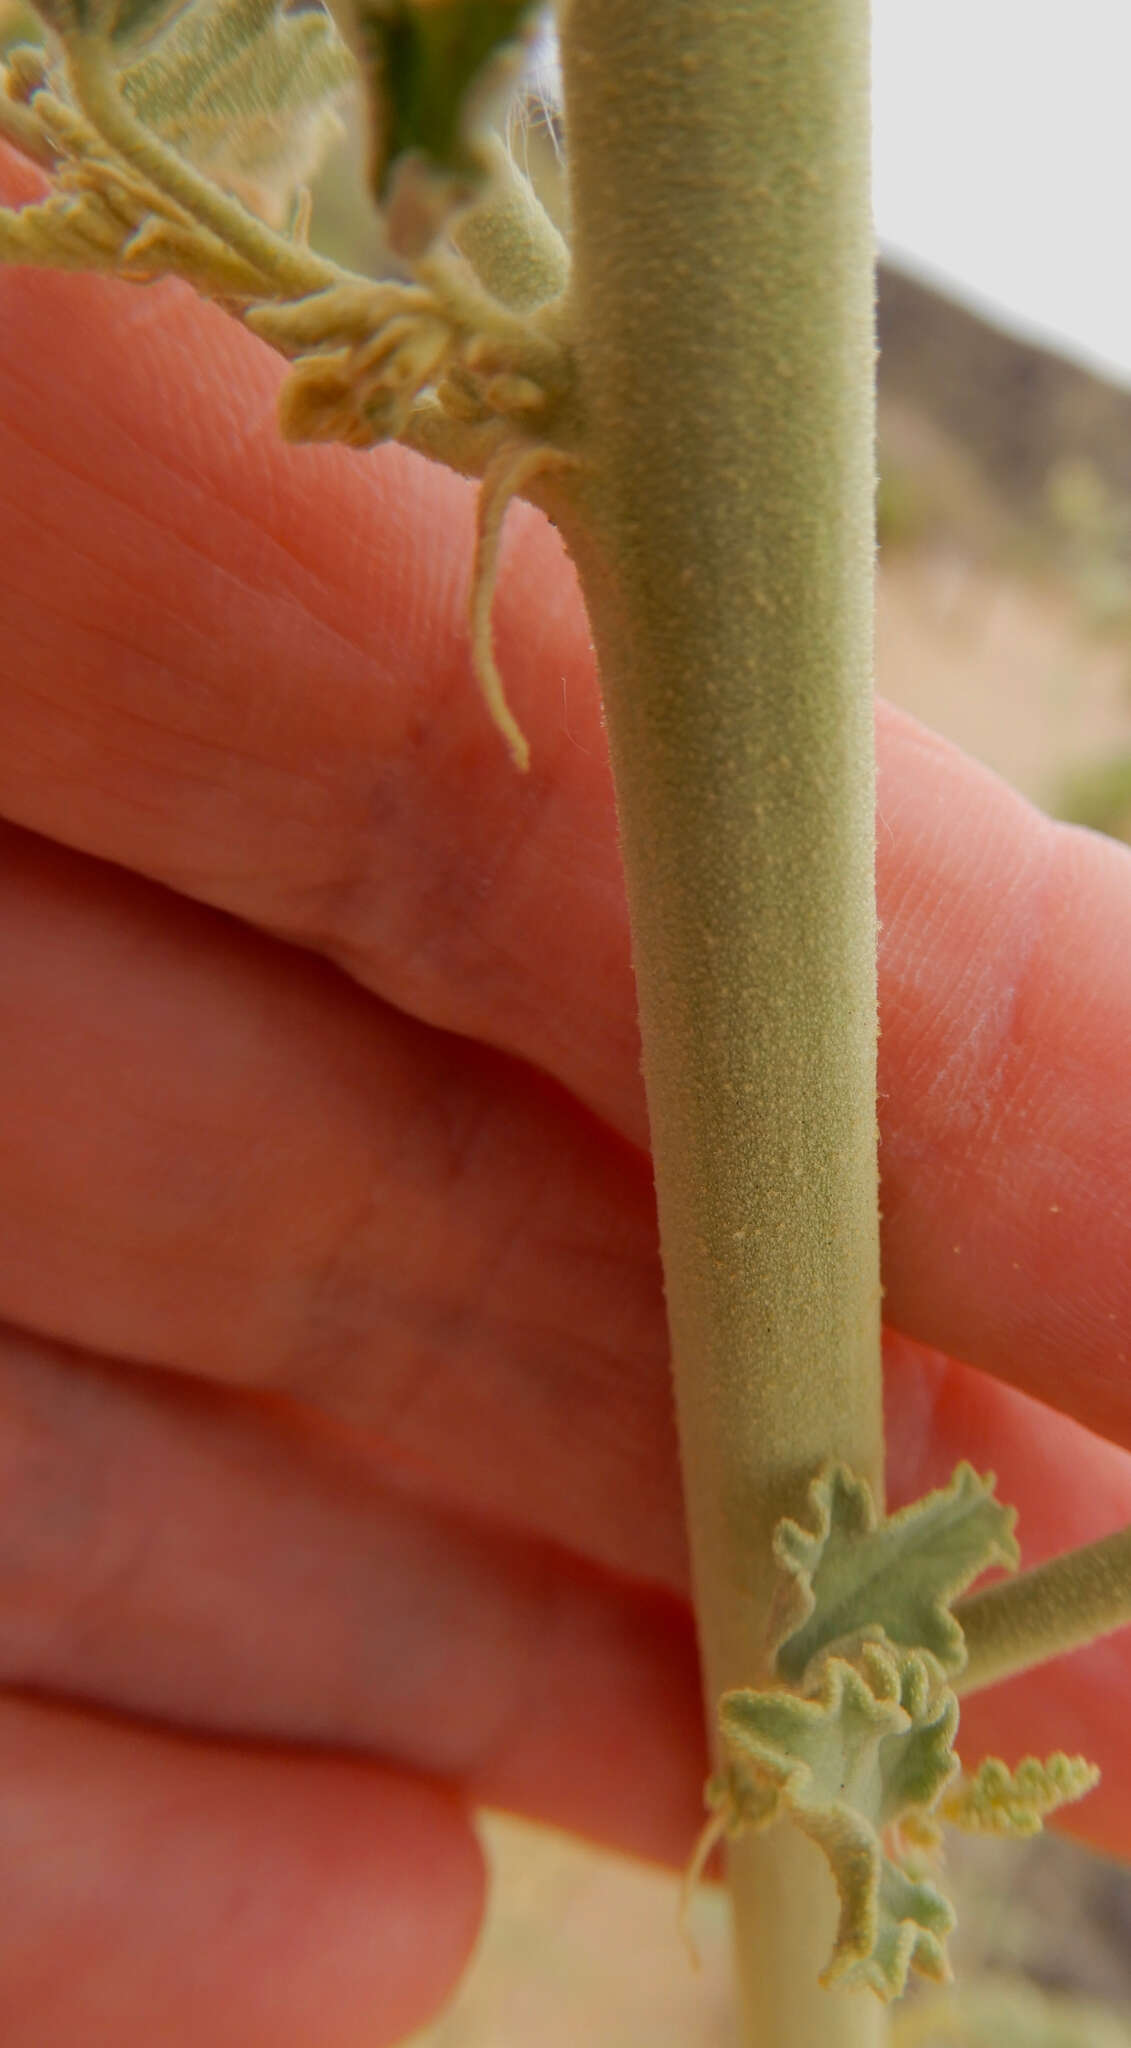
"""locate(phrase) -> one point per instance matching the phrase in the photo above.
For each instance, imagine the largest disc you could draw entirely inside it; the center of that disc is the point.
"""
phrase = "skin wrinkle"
(191, 534)
(988, 1069)
(397, 1609)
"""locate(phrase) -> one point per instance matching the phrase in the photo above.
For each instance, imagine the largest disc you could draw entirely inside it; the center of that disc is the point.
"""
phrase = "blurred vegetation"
(1090, 523)
(1002, 2013)
(1099, 795)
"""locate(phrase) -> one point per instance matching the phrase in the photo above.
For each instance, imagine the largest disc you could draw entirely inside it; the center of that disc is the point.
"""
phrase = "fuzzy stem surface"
(721, 301)
(1046, 1612)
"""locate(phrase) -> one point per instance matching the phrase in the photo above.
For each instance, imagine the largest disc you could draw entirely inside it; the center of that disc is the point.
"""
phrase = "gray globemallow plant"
(687, 390)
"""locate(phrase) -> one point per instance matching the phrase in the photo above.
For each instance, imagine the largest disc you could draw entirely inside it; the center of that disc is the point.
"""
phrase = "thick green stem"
(721, 302)
(1054, 1608)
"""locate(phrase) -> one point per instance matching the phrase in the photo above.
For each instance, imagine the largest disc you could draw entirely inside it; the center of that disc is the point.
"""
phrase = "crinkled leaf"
(913, 1920)
(998, 1801)
(246, 90)
(849, 1573)
(874, 1744)
(434, 72)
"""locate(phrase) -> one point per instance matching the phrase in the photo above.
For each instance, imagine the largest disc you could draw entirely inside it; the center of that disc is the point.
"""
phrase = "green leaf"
(998, 1801)
(850, 1574)
(913, 1921)
(435, 71)
(246, 91)
(873, 1745)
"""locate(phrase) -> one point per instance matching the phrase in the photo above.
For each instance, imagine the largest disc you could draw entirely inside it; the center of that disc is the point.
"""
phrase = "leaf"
(913, 1922)
(246, 90)
(99, 215)
(851, 1574)
(874, 1744)
(434, 72)
(998, 1801)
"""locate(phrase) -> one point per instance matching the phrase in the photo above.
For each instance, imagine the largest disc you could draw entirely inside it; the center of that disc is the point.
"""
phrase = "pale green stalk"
(722, 307)
(1048, 1611)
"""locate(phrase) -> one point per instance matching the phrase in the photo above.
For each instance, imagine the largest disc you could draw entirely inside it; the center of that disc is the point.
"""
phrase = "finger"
(351, 796)
(220, 1158)
(303, 1192)
(156, 1889)
(222, 1565)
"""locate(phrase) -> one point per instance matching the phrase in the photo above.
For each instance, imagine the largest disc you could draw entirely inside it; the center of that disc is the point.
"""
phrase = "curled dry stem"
(508, 476)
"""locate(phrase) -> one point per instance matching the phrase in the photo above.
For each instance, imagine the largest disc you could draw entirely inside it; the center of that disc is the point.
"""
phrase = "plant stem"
(722, 302)
(1046, 1612)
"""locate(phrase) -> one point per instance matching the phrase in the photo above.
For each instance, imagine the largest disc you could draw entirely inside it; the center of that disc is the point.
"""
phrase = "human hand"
(340, 1481)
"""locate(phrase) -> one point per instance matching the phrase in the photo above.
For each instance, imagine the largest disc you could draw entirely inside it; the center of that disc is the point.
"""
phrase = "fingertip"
(158, 1889)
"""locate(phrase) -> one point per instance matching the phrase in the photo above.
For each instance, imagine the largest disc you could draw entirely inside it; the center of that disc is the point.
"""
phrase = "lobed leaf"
(998, 1801)
(851, 1574)
(873, 1745)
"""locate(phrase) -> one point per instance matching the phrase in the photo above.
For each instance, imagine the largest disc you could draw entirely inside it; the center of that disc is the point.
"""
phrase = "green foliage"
(856, 1745)
(1098, 795)
(998, 1801)
(434, 72)
(1092, 526)
(244, 89)
(849, 1573)
(874, 1744)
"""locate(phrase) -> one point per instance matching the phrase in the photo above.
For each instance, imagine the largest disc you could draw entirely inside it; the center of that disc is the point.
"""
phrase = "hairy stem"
(1046, 1612)
(721, 303)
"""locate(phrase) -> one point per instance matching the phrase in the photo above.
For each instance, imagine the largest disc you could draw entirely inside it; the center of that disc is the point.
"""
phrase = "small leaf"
(850, 1574)
(434, 72)
(913, 1920)
(246, 90)
(998, 1801)
(873, 1745)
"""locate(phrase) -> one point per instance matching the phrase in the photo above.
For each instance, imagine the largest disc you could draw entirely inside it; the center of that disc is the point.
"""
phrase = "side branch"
(1046, 1612)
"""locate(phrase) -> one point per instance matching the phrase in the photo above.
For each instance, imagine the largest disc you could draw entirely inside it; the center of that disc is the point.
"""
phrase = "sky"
(1003, 161)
